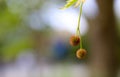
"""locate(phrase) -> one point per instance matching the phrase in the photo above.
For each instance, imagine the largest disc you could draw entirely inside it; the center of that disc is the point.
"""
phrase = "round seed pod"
(81, 53)
(74, 40)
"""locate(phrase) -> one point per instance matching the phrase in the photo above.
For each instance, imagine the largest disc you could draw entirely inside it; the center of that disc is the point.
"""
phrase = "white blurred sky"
(66, 19)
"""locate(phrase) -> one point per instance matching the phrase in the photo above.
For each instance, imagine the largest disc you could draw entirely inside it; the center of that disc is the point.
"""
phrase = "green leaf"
(69, 3)
(77, 3)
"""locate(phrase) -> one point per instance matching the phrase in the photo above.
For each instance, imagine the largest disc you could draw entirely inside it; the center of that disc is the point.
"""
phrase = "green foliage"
(14, 36)
(16, 46)
(8, 21)
(22, 6)
(69, 3)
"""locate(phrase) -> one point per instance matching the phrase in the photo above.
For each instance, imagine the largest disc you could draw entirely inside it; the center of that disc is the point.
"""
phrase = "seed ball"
(74, 40)
(81, 53)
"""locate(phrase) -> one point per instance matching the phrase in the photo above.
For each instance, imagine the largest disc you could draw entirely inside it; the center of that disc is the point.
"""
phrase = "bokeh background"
(34, 39)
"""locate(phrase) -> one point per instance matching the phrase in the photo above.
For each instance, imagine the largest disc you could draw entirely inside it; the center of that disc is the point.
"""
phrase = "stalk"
(78, 27)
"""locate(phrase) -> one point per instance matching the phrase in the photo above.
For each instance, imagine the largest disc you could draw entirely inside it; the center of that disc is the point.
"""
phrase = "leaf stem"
(78, 27)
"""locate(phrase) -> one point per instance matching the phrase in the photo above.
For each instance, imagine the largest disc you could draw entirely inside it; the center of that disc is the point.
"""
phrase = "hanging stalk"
(78, 27)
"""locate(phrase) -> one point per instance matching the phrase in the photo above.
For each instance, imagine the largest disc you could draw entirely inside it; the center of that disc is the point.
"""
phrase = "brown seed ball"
(81, 53)
(74, 40)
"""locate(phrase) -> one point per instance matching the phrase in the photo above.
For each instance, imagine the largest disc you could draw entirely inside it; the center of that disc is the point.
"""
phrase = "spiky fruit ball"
(81, 53)
(74, 40)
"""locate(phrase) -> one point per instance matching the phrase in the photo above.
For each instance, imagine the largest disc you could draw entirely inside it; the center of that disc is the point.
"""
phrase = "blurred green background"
(34, 38)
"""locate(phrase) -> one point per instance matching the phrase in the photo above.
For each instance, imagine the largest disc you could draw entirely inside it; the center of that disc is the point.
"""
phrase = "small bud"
(81, 53)
(74, 40)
